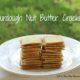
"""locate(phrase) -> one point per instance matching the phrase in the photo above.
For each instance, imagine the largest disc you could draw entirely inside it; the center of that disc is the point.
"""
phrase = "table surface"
(4, 75)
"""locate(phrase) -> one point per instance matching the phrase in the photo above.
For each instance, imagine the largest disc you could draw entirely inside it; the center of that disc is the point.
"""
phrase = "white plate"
(10, 59)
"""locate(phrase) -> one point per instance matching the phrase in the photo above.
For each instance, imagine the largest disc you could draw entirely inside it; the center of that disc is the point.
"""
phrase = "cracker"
(32, 40)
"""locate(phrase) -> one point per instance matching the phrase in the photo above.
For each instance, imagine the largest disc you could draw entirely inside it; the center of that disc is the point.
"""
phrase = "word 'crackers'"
(45, 52)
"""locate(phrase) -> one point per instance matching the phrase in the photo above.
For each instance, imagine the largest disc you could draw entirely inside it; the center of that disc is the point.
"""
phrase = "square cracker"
(32, 40)
(54, 39)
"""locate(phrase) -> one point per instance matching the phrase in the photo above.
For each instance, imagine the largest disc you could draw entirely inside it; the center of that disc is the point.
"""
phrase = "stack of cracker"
(52, 51)
(39, 52)
(30, 52)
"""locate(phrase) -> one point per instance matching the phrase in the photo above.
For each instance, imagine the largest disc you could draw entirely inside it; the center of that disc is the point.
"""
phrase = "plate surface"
(10, 57)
